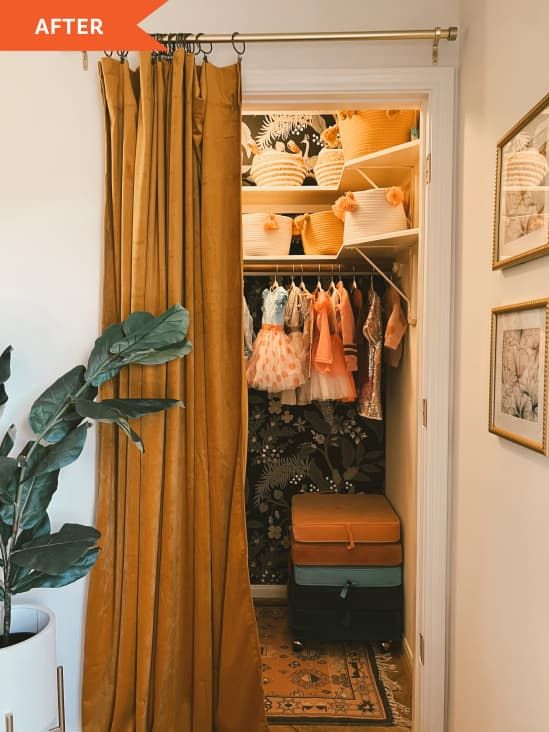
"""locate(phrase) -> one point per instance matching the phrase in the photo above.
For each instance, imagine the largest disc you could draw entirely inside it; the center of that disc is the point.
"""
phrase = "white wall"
(499, 675)
(51, 170)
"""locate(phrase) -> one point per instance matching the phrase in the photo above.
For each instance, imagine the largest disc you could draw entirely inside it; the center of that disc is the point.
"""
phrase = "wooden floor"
(403, 676)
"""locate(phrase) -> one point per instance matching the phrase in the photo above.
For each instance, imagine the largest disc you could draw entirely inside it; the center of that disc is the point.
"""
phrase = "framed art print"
(521, 222)
(518, 373)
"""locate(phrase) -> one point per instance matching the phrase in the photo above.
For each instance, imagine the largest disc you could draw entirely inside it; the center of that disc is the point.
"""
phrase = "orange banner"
(76, 25)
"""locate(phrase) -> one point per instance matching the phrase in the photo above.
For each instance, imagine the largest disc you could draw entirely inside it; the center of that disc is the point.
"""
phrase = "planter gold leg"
(9, 722)
(60, 701)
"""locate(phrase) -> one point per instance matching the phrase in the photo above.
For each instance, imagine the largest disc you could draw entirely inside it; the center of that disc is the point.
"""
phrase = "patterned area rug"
(326, 683)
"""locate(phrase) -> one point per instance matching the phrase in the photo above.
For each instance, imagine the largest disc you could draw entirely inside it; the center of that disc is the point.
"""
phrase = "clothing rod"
(274, 272)
(430, 34)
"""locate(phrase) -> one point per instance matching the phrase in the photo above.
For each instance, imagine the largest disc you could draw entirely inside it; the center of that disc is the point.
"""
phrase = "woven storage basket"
(321, 233)
(261, 238)
(372, 215)
(371, 130)
(281, 169)
(525, 168)
(329, 167)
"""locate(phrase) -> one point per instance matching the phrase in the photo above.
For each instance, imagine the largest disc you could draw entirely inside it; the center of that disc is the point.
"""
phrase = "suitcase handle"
(351, 544)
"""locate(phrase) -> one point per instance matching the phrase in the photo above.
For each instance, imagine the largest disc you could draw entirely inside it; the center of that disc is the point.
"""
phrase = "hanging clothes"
(330, 378)
(360, 313)
(369, 402)
(346, 324)
(298, 322)
(274, 365)
(248, 329)
(397, 325)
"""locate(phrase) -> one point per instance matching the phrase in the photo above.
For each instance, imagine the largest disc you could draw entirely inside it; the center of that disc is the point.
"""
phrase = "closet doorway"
(414, 469)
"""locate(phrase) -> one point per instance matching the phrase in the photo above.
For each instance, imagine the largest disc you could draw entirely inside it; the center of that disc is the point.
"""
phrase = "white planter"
(28, 680)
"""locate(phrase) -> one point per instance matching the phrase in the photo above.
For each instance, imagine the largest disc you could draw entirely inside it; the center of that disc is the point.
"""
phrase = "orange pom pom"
(330, 136)
(343, 204)
(394, 196)
(271, 224)
(299, 223)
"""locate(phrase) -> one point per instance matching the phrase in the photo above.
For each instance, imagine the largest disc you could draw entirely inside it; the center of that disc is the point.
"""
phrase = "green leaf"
(318, 479)
(8, 482)
(136, 322)
(52, 400)
(162, 355)
(3, 395)
(168, 329)
(125, 427)
(62, 454)
(5, 531)
(36, 494)
(102, 366)
(56, 553)
(76, 571)
(5, 364)
(6, 446)
(135, 408)
(42, 528)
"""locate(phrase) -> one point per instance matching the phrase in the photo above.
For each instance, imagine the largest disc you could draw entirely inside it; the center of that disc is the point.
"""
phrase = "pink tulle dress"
(274, 365)
(330, 378)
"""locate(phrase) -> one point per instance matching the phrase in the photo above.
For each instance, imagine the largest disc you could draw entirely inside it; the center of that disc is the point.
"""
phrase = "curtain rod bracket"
(436, 41)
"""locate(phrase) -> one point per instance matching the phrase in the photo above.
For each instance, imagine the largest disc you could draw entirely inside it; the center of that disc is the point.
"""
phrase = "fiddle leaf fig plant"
(31, 554)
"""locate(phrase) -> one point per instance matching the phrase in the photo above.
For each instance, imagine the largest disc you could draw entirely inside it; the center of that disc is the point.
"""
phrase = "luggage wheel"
(386, 646)
(297, 646)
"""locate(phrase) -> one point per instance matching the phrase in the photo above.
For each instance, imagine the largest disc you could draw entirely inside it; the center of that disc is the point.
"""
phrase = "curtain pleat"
(171, 640)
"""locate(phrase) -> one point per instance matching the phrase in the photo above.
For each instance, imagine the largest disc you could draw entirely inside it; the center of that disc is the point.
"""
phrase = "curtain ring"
(205, 53)
(239, 52)
(108, 54)
(185, 43)
(122, 55)
(197, 46)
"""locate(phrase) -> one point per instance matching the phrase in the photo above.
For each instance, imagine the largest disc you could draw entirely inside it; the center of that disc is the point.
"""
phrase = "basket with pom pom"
(369, 130)
(321, 233)
(280, 169)
(329, 165)
(266, 235)
(371, 213)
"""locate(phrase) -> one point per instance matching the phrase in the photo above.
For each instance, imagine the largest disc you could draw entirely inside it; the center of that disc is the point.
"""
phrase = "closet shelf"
(388, 167)
(385, 247)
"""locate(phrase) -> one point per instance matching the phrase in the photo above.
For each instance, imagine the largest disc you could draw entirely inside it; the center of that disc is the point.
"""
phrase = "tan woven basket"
(370, 130)
(266, 235)
(525, 168)
(373, 214)
(278, 169)
(329, 167)
(321, 233)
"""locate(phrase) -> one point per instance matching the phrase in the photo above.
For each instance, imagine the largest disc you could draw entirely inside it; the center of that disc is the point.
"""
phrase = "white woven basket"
(373, 216)
(260, 238)
(525, 168)
(329, 167)
(280, 169)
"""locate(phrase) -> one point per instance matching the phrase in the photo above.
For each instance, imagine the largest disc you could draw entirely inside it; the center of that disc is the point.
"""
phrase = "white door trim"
(434, 89)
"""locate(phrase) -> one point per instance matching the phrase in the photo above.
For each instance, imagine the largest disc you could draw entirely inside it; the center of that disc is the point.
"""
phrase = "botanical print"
(324, 446)
(276, 130)
(520, 373)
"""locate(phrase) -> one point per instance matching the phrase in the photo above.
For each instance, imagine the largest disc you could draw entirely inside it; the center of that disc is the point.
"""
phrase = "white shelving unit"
(393, 166)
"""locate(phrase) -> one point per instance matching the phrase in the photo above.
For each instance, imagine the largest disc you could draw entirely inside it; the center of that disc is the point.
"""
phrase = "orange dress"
(274, 365)
(330, 378)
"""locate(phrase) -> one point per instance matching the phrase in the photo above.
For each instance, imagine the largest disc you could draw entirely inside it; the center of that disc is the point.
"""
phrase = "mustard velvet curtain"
(171, 641)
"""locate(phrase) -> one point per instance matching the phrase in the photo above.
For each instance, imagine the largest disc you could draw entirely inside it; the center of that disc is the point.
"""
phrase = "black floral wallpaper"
(276, 130)
(324, 446)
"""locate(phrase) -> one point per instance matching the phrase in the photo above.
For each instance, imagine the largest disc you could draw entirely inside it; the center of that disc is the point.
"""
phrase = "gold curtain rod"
(431, 34)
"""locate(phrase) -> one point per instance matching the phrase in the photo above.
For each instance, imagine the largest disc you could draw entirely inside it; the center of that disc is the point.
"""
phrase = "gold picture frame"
(521, 212)
(519, 372)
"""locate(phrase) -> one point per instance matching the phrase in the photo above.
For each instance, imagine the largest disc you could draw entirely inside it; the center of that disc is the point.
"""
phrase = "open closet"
(331, 202)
